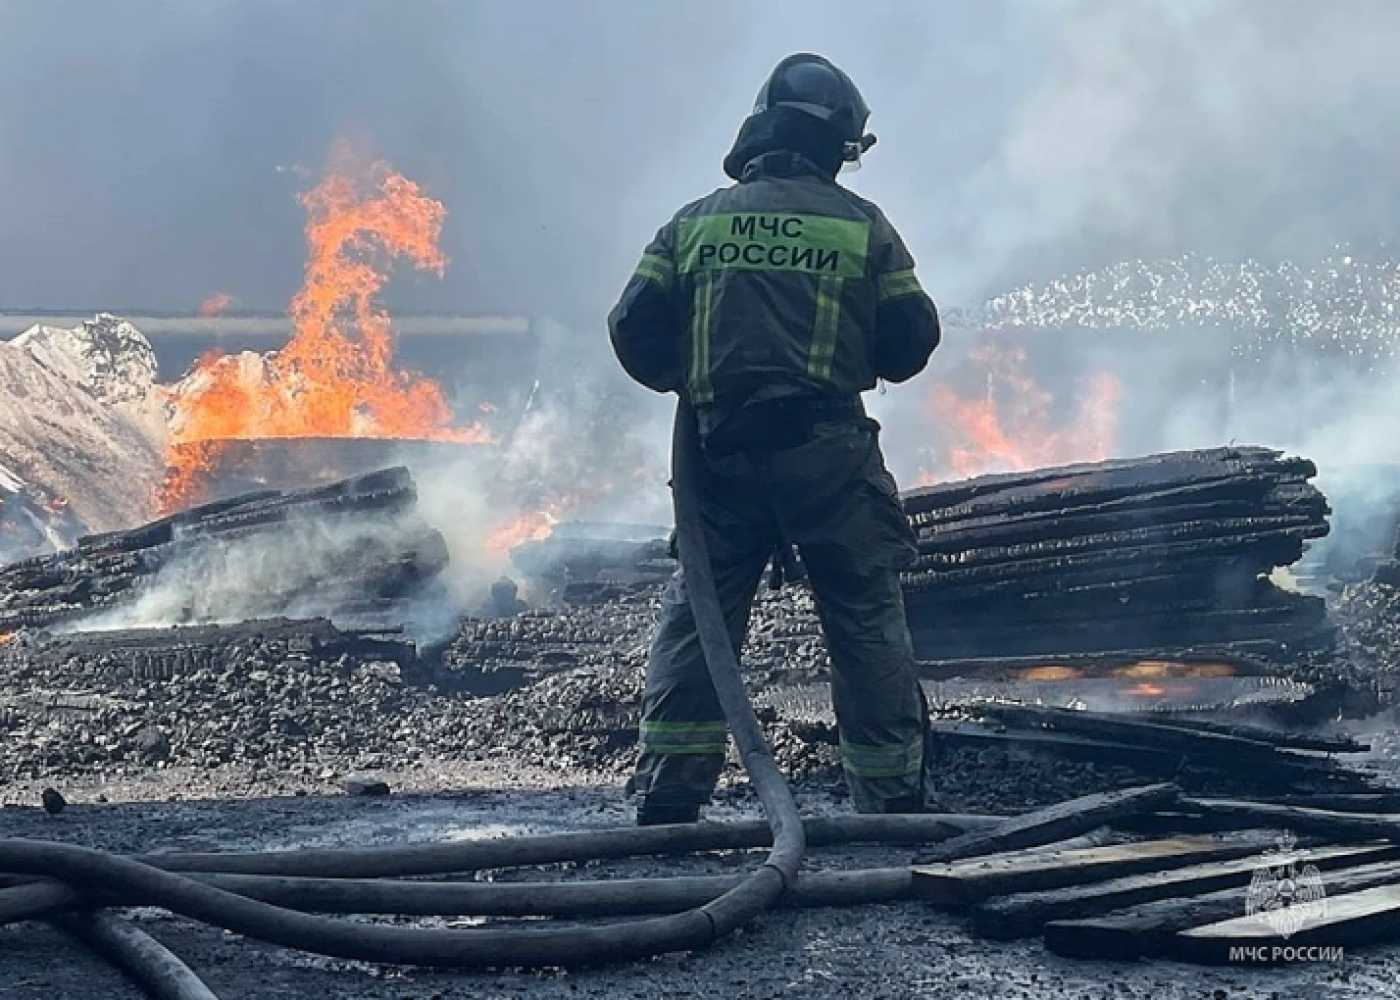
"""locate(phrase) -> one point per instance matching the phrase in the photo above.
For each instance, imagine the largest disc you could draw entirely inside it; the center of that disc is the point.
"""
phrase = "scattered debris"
(359, 784)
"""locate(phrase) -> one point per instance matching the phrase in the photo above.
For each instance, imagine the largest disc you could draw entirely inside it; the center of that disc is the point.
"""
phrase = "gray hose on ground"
(610, 898)
(160, 973)
(25, 897)
(570, 900)
(563, 946)
(579, 846)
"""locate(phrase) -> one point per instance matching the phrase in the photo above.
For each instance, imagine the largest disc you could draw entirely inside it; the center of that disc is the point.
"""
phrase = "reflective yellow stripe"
(825, 327)
(684, 737)
(695, 749)
(890, 760)
(701, 389)
(656, 267)
(684, 727)
(898, 285)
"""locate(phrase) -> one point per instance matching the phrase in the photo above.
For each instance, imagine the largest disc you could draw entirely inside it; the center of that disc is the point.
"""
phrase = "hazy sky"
(148, 149)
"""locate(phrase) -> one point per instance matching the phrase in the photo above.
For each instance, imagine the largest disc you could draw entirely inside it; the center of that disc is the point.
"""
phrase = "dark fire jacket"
(784, 284)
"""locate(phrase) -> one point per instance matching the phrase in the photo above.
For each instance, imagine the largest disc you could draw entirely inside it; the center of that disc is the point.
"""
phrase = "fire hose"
(256, 895)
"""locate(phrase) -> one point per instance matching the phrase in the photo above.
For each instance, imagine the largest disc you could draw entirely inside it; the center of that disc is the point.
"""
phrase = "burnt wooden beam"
(1025, 913)
(1322, 822)
(1365, 916)
(1145, 760)
(959, 883)
(1123, 475)
(1150, 929)
(1163, 735)
(1361, 802)
(1056, 822)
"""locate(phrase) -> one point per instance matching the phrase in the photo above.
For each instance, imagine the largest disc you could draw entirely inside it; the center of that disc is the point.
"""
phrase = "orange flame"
(217, 304)
(533, 526)
(334, 378)
(6, 637)
(1013, 427)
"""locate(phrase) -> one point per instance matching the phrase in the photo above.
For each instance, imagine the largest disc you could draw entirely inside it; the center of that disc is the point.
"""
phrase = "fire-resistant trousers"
(839, 505)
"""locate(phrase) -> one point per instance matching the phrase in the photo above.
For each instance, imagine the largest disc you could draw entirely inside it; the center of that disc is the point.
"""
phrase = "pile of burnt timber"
(1164, 552)
(1249, 891)
(158, 654)
(354, 545)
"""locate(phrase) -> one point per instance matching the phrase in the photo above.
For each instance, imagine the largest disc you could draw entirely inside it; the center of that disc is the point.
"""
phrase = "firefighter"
(771, 305)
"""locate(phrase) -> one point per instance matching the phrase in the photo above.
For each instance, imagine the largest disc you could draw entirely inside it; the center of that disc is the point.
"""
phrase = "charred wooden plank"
(1096, 489)
(1223, 535)
(1009, 530)
(1165, 469)
(964, 882)
(1355, 918)
(1056, 822)
(1025, 913)
(1322, 822)
(1145, 760)
(1150, 929)
(1289, 740)
(1266, 549)
(1140, 732)
(1363, 802)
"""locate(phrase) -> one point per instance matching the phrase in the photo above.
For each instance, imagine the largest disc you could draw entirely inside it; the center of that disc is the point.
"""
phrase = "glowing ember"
(1146, 690)
(6, 637)
(1171, 668)
(217, 304)
(1048, 673)
(1013, 426)
(334, 378)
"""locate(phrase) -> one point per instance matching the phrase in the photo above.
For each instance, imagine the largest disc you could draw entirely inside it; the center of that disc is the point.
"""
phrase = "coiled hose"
(711, 908)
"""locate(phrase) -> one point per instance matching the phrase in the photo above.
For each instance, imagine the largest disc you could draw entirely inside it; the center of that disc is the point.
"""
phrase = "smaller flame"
(6, 637)
(1015, 424)
(217, 304)
(532, 526)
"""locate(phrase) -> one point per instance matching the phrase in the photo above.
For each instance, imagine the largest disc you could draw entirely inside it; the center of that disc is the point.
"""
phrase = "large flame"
(335, 376)
(1013, 425)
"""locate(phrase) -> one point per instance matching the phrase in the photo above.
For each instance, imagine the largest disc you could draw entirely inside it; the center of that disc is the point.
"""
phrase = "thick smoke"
(156, 150)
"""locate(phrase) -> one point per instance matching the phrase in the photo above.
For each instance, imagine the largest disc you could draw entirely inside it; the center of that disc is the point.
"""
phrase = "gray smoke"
(154, 151)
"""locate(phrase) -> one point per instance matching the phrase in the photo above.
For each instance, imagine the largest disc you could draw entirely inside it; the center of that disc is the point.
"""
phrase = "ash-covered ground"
(266, 712)
(262, 713)
(248, 747)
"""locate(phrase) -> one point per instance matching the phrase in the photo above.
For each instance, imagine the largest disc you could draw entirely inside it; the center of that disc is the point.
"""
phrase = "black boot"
(659, 813)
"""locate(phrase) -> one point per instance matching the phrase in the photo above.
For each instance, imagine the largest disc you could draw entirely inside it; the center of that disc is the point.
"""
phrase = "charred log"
(361, 538)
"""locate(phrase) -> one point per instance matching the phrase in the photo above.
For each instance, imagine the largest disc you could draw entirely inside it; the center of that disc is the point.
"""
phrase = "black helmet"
(811, 84)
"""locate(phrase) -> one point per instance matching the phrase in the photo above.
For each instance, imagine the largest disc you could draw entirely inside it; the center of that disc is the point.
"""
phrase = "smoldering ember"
(284, 636)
